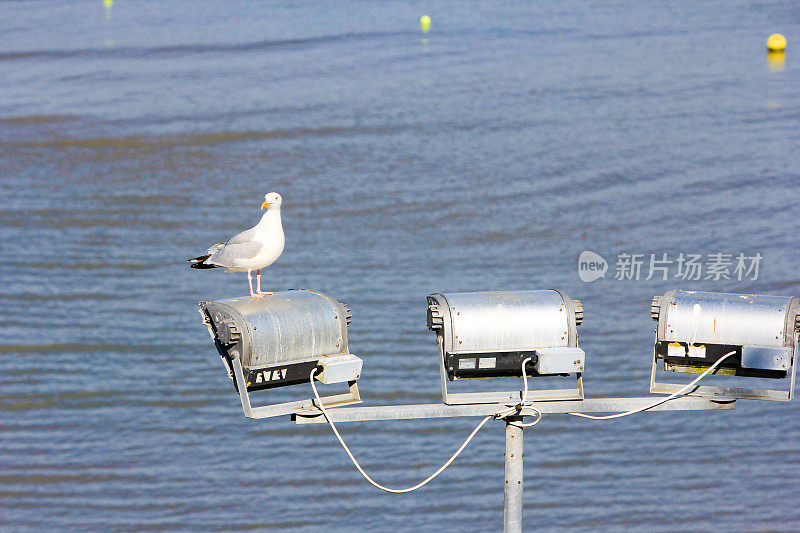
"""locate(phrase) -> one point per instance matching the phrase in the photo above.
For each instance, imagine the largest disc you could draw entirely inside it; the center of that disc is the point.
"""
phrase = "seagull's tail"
(200, 262)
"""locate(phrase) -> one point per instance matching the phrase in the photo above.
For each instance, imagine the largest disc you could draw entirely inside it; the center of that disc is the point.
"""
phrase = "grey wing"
(217, 252)
(245, 236)
(232, 254)
(242, 237)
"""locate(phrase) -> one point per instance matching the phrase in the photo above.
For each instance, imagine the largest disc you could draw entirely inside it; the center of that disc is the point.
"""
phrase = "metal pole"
(512, 493)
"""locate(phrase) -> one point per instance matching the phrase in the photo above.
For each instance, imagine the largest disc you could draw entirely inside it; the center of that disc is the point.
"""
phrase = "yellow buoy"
(425, 23)
(776, 41)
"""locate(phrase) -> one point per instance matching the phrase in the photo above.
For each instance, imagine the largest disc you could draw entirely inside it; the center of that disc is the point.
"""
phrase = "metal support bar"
(241, 386)
(589, 405)
(725, 392)
(512, 492)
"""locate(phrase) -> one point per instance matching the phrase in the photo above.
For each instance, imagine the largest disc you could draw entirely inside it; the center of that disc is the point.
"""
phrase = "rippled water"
(485, 155)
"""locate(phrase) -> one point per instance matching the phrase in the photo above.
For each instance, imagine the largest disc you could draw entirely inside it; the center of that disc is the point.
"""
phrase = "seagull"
(252, 249)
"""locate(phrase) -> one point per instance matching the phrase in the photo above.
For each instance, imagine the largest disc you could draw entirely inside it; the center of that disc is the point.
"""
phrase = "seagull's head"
(272, 199)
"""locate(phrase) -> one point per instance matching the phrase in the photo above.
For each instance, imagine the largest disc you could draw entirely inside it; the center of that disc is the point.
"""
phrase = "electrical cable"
(361, 470)
(523, 403)
(662, 400)
(500, 414)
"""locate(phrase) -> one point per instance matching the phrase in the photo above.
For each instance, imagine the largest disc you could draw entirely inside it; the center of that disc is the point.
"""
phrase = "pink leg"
(250, 282)
(258, 285)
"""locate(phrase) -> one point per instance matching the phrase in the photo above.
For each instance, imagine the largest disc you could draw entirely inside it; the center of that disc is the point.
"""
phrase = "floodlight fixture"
(697, 329)
(277, 341)
(491, 334)
(300, 337)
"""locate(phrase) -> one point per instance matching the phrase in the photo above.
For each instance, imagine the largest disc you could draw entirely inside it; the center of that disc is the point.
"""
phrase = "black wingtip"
(199, 262)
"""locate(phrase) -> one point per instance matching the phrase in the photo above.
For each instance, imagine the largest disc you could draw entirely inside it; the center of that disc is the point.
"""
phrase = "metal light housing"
(490, 334)
(277, 341)
(696, 329)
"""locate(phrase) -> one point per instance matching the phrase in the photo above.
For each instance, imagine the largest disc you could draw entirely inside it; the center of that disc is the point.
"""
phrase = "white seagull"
(252, 249)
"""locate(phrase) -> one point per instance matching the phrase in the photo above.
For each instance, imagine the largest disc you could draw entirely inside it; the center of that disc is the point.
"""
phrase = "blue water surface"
(484, 155)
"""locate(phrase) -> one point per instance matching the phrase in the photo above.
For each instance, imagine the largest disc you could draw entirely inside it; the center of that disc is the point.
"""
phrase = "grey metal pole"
(512, 493)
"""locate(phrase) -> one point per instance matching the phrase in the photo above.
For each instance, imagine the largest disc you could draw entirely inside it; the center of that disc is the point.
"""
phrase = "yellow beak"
(265, 204)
